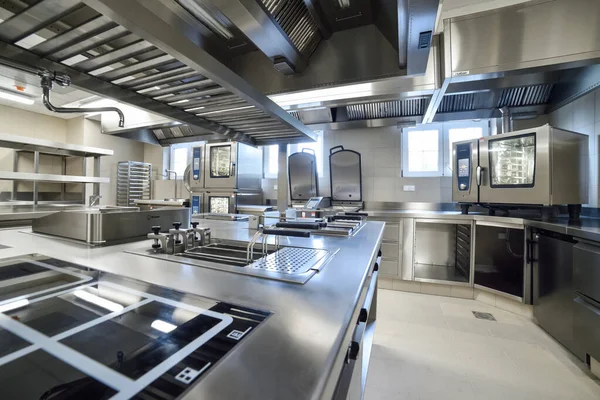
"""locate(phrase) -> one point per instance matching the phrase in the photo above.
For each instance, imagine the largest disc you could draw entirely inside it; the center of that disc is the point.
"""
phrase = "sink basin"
(230, 254)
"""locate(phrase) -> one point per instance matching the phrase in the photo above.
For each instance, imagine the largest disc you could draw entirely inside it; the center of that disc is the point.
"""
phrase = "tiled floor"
(431, 347)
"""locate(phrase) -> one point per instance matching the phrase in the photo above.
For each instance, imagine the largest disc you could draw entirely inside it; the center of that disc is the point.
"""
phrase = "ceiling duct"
(152, 54)
(387, 109)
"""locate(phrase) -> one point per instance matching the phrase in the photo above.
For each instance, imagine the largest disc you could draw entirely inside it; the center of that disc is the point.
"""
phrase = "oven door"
(516, 168)
(220, 203)
(220, 166)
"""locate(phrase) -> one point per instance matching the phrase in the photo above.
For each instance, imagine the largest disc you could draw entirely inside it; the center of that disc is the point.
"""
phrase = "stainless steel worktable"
(296, 353)
(30, 212)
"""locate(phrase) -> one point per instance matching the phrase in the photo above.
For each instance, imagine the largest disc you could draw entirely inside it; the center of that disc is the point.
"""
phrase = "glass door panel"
(219, 204)
(512, 161)
(220, 161)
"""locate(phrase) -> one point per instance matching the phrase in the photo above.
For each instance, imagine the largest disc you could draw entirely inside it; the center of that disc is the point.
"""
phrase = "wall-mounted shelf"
(51, 147)
(53, 178)
(66, 151)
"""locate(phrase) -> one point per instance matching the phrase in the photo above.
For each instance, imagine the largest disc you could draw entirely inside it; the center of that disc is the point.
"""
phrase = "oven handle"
(587, 302)
(478, 174)
(232, 169)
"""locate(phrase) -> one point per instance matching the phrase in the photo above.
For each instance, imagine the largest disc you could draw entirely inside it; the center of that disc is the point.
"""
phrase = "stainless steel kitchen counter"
(297, 353)
(30, 212)
(586, 228)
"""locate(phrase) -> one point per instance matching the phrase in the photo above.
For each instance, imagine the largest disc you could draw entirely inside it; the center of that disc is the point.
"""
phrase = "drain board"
(291, 260)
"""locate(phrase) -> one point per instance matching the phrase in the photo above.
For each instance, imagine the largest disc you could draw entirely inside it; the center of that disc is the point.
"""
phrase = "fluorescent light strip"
(16, 97)
(194, 109)
(97, 300)
(229, 109)
(163, 326)
(14, 305)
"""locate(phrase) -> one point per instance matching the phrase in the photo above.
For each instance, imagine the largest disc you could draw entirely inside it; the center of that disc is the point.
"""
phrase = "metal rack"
(39, 146)
(134, 182)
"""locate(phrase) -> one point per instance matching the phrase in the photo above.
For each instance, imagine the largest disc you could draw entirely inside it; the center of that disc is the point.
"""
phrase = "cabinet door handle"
(478, 175)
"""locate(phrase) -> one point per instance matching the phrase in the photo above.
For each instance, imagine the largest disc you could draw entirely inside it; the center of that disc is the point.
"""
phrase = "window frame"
(444, 151)
(404, 150)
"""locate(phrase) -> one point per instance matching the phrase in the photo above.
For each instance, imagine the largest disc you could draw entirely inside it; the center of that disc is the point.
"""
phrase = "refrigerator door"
(220, 166)
(465, 163)
(516, 168)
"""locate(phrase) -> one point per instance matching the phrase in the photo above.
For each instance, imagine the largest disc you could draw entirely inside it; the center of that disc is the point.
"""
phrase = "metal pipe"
(169, 172)
(507, 121)
(63, 80)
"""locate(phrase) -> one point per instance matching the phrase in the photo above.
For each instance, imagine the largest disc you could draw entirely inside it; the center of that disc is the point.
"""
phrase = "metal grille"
(458, 102)
(525, 96)
(296, 21)
(134, 180)
(463, 248)
(106, 58)
(387, 109)
(290, 260)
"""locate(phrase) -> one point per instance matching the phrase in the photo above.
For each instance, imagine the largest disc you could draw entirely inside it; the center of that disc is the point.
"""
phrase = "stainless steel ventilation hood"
(528, 58)
(206, 65)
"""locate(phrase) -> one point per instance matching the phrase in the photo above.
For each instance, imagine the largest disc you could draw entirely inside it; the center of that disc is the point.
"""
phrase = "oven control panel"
(463, 166)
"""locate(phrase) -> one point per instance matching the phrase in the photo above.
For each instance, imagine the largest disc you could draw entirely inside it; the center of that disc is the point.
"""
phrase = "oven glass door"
(220, 204)
(512, 162)
(220, 161)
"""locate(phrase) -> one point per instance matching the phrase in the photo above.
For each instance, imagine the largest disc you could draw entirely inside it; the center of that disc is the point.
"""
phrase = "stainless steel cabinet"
(391, 247)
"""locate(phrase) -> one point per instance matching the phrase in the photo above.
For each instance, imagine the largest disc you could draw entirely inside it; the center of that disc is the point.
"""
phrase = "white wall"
(381, 168)
(24, 123)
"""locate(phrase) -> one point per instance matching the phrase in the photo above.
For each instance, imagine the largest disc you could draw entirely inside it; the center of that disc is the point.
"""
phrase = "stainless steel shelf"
(33, 177)
(42, 146)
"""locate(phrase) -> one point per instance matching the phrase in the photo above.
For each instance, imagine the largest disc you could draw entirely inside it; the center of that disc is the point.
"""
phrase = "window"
(427, 149)
(270, 155)
(181, 156)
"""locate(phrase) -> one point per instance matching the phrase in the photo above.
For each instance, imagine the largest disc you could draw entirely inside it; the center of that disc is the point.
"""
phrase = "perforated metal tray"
(291, 260)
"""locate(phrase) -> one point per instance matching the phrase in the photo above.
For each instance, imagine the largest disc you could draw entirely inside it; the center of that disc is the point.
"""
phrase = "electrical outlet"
(409, 188)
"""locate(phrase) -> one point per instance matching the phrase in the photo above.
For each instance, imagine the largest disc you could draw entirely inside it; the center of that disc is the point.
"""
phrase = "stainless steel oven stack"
(223, 176)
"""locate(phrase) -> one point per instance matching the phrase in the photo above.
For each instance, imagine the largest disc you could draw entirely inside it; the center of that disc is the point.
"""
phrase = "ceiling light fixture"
(163, 326)
(13, 305)
(202, 13)
(16, 97)
(97, 300)
(222, 111)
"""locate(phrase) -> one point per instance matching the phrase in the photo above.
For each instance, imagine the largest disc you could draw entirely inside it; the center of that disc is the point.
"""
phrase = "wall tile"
(583, 112)
(386, 172)
(386, 158)
(384, 183)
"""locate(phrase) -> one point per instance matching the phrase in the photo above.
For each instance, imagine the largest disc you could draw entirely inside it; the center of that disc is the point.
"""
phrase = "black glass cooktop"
(66, 333)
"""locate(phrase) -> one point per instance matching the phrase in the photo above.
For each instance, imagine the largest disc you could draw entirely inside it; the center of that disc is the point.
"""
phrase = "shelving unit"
(134, 182)
(65, 150)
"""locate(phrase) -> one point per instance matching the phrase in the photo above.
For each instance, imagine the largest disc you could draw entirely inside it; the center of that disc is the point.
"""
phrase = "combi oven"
(543, 166)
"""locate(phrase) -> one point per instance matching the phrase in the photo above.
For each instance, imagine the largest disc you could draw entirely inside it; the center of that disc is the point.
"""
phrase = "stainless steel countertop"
(29, 212)
(585, 228)
(295, 353)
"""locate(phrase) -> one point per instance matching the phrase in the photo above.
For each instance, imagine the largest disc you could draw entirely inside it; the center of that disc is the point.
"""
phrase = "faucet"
(94, 199)
(169, 172)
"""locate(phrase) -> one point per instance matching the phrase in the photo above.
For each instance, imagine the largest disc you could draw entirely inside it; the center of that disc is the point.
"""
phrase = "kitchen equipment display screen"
(463, 167)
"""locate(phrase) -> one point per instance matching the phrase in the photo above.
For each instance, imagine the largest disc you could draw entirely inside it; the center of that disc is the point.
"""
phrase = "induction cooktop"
(68, 332)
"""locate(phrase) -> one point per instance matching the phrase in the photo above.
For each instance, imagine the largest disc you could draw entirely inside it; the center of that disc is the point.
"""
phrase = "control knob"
(156, 229)
(195, 225)
(462, 186)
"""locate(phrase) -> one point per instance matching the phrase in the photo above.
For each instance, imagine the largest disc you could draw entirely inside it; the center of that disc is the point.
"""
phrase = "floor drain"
(483, 315)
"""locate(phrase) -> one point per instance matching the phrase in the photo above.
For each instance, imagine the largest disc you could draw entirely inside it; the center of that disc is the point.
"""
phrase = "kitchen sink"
(283, 263)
